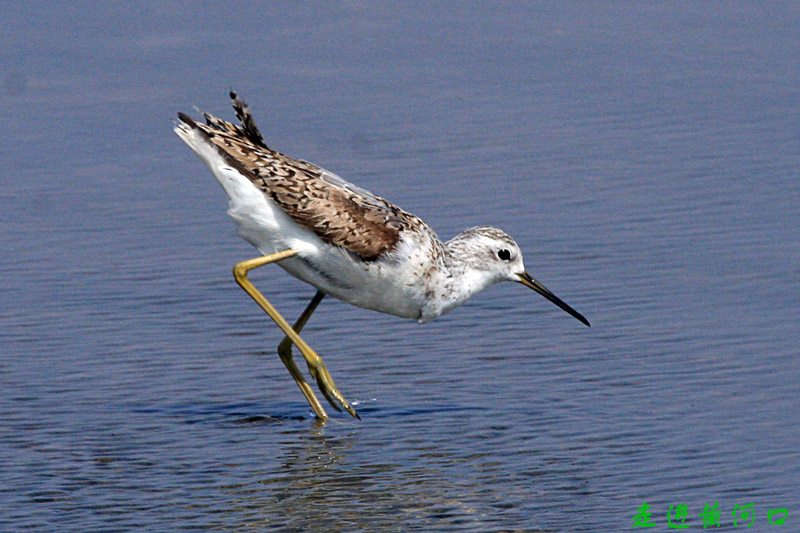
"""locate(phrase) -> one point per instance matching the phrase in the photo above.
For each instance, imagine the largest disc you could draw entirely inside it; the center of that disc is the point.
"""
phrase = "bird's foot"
(329, 389)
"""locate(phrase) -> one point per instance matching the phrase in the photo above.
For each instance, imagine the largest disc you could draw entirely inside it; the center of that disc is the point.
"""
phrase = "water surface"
(645, 157)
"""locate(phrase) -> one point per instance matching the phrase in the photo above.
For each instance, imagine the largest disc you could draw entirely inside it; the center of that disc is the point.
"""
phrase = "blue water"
(644, 155)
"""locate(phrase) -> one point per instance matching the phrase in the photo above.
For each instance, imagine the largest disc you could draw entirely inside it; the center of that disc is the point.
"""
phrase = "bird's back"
(335, 210)
(352, 244)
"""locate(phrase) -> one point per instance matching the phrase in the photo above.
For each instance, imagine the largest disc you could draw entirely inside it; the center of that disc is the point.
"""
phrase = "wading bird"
(343, 240)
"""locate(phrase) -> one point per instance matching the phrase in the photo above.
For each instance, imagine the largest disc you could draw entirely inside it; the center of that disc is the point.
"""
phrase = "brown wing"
(335, 210)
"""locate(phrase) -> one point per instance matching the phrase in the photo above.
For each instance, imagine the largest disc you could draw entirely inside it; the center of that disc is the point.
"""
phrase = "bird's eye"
(504, 255)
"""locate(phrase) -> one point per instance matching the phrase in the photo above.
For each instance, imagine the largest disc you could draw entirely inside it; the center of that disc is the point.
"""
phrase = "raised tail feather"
(249, 127)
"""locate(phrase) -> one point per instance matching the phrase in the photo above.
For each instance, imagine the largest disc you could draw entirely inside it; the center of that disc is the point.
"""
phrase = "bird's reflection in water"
(328, 480)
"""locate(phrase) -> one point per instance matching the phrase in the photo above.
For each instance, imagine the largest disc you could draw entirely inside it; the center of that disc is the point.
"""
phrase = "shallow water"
(645, 157)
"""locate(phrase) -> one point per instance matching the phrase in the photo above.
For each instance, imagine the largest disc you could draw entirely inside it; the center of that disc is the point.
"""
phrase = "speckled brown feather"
(336, 211)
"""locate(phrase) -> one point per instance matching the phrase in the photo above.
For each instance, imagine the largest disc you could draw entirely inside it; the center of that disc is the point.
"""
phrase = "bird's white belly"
(370, 285)
(387, 285)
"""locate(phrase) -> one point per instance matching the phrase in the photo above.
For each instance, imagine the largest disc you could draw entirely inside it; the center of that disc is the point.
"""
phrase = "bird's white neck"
(456, 281)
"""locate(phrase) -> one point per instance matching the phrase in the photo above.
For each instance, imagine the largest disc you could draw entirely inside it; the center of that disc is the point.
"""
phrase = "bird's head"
(494, 256)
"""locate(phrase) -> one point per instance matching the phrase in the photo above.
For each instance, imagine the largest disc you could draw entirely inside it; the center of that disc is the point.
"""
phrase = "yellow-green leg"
(315, 364)
(285, 347)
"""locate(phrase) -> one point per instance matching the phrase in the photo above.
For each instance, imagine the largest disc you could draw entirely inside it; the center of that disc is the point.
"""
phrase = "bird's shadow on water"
(237, 414)
(253, 413)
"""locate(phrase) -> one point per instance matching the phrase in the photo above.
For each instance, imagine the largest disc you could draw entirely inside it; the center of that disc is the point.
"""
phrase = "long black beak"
(528, 281)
